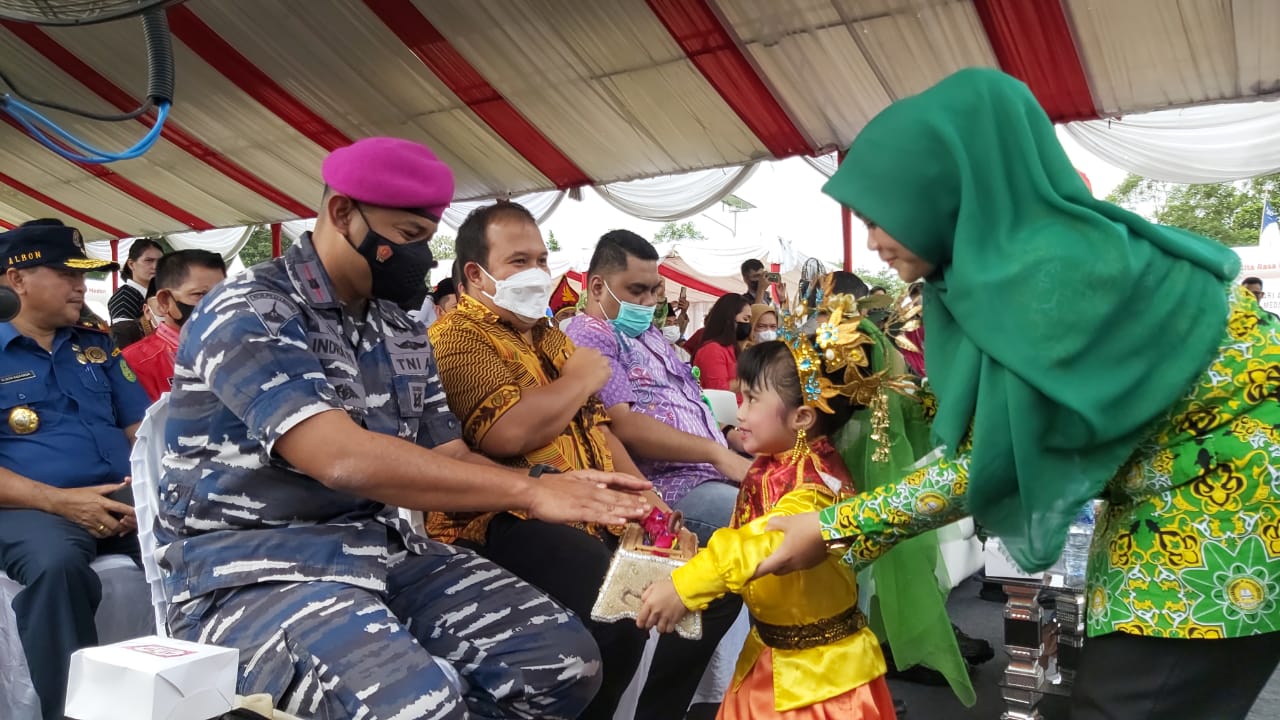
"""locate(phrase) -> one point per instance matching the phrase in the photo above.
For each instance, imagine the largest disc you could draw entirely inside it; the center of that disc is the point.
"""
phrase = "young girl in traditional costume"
(810, 654)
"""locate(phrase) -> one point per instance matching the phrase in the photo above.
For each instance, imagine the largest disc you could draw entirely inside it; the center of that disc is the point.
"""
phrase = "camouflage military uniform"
(337, 607)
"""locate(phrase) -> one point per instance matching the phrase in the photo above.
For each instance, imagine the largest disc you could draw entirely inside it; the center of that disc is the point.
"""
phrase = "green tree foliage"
(443, 248)
(552, 243)
(677, 232)
(886, 278)
(1230, 213)
(258, 248)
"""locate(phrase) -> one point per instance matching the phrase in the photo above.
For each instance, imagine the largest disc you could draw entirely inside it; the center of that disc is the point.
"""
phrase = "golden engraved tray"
(633, 568)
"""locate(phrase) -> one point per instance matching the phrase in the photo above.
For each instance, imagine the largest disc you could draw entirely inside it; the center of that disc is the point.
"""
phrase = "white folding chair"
(148, 449)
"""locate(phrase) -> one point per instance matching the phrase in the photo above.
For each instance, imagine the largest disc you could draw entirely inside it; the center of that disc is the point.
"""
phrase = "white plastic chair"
(148, 449)
(116, 619)
(724, 405)
(961, 551)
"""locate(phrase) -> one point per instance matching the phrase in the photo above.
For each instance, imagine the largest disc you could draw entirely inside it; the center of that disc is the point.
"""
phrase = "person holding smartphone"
(757, 282)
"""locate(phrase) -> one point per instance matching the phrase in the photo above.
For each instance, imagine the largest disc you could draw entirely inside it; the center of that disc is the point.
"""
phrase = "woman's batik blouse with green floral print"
(1189, 543)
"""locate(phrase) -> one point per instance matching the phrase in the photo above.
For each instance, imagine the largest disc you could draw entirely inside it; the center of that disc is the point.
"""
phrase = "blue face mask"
(632, 319)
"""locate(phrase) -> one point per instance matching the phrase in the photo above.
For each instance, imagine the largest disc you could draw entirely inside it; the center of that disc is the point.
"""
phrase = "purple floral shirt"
(649, 376)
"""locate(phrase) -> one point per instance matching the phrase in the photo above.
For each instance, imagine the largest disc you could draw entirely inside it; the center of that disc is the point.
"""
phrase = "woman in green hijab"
(1077, 352)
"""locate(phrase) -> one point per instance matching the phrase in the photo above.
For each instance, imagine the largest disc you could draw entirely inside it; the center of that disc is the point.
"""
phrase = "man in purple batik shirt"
(655, 405)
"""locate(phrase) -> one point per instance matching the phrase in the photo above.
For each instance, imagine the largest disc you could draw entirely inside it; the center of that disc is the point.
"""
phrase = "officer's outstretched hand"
(91, 509)
(589, 496)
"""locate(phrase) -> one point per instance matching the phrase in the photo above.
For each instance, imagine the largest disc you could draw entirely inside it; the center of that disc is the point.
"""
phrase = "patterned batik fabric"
(485, 364)
(650, 377)
(1188, 543)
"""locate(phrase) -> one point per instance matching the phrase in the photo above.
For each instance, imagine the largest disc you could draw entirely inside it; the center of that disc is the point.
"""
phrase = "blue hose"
(39, 126)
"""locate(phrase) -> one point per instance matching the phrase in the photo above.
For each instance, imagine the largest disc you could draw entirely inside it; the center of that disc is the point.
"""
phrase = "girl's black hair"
(771, 366)
(138, 247)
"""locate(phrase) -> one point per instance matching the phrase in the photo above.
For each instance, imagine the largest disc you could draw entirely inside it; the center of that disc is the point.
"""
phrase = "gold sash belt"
(810, 635)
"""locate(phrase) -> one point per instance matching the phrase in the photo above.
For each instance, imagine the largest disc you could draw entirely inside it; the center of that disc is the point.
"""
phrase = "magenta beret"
(391, 172)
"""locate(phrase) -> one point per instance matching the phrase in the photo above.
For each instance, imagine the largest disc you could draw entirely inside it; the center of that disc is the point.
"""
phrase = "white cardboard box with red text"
(151, 678)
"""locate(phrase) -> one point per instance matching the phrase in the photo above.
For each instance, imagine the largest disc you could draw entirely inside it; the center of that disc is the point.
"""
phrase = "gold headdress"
(839, 343)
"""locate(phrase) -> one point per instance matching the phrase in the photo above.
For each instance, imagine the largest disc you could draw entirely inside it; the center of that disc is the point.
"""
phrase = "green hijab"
(1059, 326)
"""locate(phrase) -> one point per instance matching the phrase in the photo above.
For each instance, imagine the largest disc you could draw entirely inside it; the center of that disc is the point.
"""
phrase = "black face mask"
(742, 330)
(184, 311)
(399, 271)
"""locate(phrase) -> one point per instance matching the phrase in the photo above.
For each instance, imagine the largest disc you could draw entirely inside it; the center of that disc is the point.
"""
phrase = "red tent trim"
(63, 208)
(67, 61)
(689, 281)
(1032, 41)
(228, 61)
(130, 188)
(714, 50)
(435, 51)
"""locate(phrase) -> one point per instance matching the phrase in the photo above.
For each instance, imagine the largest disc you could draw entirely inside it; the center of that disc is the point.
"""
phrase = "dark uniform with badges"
(62, 420)
(336, 605)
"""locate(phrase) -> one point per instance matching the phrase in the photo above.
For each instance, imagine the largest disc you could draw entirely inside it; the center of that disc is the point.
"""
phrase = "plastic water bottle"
(1075, 555)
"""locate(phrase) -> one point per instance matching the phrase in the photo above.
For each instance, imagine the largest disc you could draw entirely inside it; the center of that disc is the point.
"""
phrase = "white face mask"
(671, 333)
(764, 336)
(524, 294)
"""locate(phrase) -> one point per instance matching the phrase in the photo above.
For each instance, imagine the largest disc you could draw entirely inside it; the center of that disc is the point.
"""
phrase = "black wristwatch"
(542, 469)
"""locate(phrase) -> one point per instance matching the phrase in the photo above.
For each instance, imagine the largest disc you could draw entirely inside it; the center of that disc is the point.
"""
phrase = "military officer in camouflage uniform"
(69, 406)
(305, 402)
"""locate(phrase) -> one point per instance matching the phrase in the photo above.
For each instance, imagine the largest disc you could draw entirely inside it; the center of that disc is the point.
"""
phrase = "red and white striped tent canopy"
(526, 95)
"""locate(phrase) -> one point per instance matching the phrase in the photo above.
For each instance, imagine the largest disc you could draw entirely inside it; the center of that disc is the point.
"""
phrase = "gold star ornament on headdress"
(838, 343)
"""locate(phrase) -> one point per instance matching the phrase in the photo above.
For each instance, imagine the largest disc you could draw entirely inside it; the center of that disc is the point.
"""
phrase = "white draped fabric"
(719, 264)
(664, 199)
(293, 229)
(725, 258)
(825, 164)
(591, 92)
(101, 249)
(227, 242)
(539, 204)
(1208, 144)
